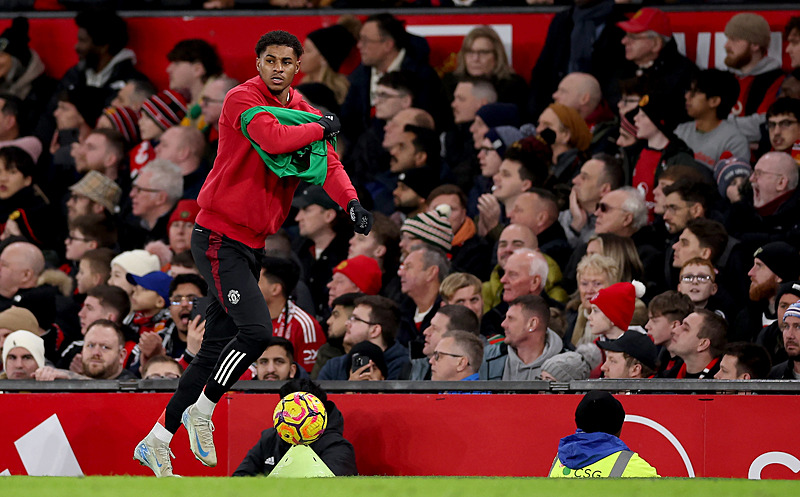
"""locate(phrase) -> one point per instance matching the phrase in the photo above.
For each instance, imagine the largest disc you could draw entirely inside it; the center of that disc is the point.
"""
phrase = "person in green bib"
(270, 139)
(595, 450)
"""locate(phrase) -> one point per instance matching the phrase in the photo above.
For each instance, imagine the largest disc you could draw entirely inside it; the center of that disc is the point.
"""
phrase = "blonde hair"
(623, 250)
(502, 69)
(456, 282)
(597, 263)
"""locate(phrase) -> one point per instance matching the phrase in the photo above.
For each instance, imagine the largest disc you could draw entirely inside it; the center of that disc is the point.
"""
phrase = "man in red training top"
(245, 198)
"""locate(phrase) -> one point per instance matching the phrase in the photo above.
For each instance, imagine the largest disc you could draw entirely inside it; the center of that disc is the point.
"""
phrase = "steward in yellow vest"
(595, 450)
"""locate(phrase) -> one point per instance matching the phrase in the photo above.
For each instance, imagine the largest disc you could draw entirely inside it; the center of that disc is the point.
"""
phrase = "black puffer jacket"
(334, 450)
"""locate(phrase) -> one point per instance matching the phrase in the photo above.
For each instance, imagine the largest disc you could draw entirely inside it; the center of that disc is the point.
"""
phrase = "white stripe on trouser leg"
(226, 364)
(231, 369)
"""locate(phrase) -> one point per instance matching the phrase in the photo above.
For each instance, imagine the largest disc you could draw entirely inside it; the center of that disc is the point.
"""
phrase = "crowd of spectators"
(623, 215)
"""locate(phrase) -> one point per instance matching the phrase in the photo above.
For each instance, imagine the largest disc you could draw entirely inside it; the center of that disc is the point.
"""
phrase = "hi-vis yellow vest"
(624, 464)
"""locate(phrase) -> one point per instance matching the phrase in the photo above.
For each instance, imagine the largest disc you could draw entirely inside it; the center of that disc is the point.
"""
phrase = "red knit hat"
(618, 302)
(167, 108)
(126, 121)
(363, 271)
(185, 211)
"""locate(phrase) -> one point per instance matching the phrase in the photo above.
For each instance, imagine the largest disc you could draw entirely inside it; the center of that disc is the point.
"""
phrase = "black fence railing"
(653, 386)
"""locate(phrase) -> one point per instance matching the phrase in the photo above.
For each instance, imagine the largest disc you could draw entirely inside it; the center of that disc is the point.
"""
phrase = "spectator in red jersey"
(278, 279)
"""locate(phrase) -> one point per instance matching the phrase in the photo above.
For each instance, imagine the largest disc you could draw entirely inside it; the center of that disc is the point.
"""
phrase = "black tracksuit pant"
(238, 324)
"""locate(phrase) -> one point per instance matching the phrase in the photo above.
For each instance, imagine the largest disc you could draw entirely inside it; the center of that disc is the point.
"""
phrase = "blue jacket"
(338, 368)
(582, 449)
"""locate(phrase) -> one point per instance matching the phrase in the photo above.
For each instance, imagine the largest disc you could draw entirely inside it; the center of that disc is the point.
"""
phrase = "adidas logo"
(329, 117)
(270, 460)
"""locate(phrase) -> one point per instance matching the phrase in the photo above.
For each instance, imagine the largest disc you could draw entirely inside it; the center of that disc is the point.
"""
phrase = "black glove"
(331, 124)
(361, 217)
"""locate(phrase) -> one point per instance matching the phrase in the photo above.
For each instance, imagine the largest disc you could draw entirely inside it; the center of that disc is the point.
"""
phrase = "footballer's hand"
(330, 124)
(361, 217)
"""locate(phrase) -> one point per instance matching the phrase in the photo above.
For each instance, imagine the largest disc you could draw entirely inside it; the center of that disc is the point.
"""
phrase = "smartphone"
(199, 308)
(359, 361)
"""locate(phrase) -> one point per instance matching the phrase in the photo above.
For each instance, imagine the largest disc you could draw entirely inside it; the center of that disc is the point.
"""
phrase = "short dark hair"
(161, 359)
(678, 171)
(382, 311)
(711, 234)
(387, 233)
(104, 27)
(693, 192)
(109, 324)
(716, 83)
(784, 105)
(303, 385)
(715, 328)
(461, 318)
(99, 260)
(96, 227)
(279, 38)
(392, 27)
(426, 140)
(283, 343)
(533, 305)
(402, 81)
(113, 297)
(346, 299)
(613, 174)
(794, 23)
(115, 140)
(751, 358)
(197, 50)
(534, 163)
(16, 159)
(281, 270)
(671, 304)
(184, 259)
(448, 189)
(190, 278)
(12, 106)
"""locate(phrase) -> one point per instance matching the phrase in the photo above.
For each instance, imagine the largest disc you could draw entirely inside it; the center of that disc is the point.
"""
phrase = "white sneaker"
(201, 435)
(154, 454)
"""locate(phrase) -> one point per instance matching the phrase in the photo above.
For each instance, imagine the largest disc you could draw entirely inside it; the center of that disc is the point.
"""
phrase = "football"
(300, 418)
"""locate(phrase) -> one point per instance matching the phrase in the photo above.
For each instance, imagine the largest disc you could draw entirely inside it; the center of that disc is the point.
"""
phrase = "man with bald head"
(773, 214)
(184, 146)
(581, 91)
(21, 263)
(395, 126)
(538, 210)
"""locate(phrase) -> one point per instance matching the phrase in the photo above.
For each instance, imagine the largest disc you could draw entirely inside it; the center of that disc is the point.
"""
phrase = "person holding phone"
(367, 363)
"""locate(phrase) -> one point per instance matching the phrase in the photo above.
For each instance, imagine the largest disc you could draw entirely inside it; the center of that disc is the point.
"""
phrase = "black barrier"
(651, 386)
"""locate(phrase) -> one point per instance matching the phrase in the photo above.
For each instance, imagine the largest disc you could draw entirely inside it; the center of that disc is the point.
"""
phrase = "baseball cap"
(635, 344)
(157, 281)
(314, 194)
(648, 19)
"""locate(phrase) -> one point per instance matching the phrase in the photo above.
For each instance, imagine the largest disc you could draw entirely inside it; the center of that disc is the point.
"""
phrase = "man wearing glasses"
(773, 212)
(783, 126)
(154, 194)
(374, 319)
(457, 357)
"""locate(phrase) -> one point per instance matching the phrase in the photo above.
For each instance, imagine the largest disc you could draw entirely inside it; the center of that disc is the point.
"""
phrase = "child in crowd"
(698, 281)
(94, 268)
(150, 314)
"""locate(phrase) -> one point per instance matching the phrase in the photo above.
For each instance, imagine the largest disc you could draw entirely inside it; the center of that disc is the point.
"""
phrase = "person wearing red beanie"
(612, 309)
